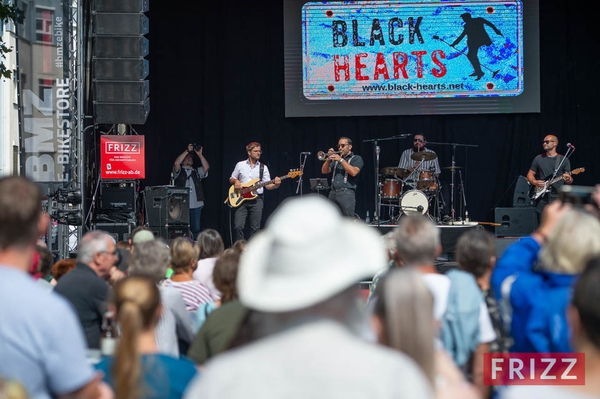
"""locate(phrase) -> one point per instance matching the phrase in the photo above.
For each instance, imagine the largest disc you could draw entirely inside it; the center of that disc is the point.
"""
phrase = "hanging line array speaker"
(120, 91)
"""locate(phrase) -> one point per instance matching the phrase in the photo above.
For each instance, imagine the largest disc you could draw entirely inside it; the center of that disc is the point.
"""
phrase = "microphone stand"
(569, 152)
(376, 150)
(303, 157)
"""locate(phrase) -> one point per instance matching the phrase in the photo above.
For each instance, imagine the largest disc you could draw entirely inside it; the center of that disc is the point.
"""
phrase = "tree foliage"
(7, 13)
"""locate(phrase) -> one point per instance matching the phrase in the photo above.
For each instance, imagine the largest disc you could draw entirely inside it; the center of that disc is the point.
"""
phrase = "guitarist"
(243, 172)
(542, 169)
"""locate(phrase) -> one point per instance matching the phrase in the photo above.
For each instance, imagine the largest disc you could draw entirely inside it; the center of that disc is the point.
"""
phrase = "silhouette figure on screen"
(477, 36)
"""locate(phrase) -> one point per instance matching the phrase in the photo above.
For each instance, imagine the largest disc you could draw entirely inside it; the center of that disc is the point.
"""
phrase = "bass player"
(542, 169)
(244, 172)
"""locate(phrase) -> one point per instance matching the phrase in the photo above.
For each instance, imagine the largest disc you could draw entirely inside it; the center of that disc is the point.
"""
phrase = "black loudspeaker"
(167, 206)
(128, 113)
(515, 222)
(117, 196)
(521, 195)
(121, 5)
(119, 231)
(171, 232)
(119, 91)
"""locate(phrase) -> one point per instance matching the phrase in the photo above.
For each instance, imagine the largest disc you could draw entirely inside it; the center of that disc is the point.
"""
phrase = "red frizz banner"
(122, 157)
(534, 369)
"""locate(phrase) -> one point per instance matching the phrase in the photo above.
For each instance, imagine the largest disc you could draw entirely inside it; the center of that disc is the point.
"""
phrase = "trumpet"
(322, 156)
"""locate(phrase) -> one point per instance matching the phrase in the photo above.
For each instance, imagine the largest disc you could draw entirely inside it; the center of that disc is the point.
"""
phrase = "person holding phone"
(186, 175)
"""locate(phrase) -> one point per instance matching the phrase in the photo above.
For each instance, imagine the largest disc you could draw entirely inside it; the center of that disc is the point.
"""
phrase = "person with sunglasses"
(408, 163)
(542, 169)
(345, 167)
(86, 286)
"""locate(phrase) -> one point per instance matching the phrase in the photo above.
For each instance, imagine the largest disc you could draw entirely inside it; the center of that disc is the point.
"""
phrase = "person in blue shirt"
(533, 280)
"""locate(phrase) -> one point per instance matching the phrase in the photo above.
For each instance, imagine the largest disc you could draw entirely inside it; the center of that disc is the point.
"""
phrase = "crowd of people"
(283, 315)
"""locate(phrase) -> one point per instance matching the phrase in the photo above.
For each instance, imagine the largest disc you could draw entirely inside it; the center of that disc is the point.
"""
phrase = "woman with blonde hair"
(184, 260)
(403, 320)
(138, 370)
(534, 278)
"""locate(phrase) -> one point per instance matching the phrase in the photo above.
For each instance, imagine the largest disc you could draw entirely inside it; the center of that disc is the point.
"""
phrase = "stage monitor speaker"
(171, 232)
(515, 222)
(167, 206)
(129, 113)
(521, 195)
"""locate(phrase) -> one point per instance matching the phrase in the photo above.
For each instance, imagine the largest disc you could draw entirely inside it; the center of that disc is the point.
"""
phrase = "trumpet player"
(345, 167)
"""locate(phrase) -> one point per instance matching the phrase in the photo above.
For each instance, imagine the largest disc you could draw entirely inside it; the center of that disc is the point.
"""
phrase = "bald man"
(542, 169)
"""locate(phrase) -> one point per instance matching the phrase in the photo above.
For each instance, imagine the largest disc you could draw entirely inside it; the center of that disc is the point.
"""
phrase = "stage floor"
(449, 236)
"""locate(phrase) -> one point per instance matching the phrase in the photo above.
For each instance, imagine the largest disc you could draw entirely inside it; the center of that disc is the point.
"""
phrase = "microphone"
(570, 146)
(305, 153)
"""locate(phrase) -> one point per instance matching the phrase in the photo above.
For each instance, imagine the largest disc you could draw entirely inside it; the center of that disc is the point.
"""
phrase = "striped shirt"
(194, 293)
(406, 162)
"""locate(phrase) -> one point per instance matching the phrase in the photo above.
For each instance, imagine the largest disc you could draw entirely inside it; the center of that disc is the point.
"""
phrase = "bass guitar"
(248, 191)
(537, 192)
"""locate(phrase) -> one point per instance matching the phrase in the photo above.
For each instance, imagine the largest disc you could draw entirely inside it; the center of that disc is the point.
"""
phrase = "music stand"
(318, 184)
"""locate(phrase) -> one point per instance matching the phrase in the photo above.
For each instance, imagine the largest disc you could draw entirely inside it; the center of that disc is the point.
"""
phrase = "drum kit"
(416, 192)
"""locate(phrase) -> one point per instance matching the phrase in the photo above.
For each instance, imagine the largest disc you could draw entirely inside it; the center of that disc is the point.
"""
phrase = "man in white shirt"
(244, 172)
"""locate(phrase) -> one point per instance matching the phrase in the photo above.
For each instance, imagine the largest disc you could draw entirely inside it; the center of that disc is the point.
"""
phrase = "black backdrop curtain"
(217, 79)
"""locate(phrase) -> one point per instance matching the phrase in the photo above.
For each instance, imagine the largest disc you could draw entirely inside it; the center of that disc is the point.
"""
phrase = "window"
(43, 25)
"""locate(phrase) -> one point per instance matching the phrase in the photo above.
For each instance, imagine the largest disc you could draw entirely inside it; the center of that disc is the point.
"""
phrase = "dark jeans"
(195, 215)
(251, 210)
(344, 198)
(542, 202)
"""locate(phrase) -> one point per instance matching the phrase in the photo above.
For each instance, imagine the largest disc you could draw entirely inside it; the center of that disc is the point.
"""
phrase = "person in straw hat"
(301, 275)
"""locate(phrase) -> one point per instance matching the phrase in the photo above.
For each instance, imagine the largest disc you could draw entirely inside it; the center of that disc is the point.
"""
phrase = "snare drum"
(426, 180)
(413, 202)
(391, 189)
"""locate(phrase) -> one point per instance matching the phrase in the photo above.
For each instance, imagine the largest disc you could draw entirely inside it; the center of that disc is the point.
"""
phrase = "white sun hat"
(307, 253)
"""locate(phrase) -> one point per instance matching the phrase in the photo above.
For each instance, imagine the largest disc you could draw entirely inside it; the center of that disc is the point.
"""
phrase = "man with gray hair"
(301, 275)
(466, 327)
(174, 332)
(86, 286)
(41, 342)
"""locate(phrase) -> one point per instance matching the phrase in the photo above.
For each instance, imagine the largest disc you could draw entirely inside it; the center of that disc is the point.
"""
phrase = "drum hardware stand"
(464, 199)
(453, 170)
(376, 150)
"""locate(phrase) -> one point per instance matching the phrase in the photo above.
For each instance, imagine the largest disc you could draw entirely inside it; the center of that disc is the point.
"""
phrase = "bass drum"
(414, 202)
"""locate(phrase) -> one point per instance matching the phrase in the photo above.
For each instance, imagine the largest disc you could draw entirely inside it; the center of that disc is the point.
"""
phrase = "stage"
(449, 235)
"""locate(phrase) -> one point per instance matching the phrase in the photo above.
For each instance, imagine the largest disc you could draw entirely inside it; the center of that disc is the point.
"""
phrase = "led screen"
(407, 58)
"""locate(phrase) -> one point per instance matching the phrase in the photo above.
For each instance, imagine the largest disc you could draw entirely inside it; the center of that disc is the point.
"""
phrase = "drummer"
(418, 159)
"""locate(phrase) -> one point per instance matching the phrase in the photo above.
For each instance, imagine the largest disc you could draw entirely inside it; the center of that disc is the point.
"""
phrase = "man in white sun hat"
(300, 275)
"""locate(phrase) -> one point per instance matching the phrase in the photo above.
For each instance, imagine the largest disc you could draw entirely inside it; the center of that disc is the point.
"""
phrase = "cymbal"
(427, 156)
(452, 168)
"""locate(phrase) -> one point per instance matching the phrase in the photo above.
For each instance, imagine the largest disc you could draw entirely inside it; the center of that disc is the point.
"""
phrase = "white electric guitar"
(537, 192)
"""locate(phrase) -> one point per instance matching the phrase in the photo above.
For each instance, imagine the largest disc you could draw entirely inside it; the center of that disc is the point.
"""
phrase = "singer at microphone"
(547, 174)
